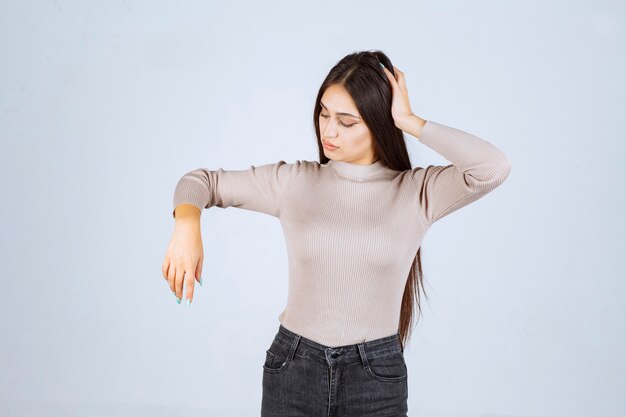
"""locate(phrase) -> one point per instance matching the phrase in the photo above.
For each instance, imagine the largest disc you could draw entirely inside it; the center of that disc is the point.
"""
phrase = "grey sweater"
(352, 231)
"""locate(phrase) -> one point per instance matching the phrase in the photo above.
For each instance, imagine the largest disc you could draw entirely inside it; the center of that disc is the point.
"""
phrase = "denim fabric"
(305, 378)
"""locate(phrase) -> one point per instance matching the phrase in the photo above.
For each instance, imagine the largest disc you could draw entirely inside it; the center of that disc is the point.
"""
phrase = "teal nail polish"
(200, 280)
(178, 300)
(381, 64)
(188, 302)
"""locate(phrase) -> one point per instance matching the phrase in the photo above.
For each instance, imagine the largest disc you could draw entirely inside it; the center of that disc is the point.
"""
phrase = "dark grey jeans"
(304, 378)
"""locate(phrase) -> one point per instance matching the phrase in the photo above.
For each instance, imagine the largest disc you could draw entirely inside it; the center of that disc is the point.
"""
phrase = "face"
(341, 125)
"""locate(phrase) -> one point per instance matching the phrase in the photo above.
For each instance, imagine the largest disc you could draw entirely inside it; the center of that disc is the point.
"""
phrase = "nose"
(329, 130)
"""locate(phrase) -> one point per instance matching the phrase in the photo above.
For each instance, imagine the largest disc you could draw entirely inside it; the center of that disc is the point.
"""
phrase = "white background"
(104, 105)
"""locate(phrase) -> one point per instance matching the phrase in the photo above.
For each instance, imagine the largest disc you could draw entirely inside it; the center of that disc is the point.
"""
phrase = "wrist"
(188, 224)
(412, 125)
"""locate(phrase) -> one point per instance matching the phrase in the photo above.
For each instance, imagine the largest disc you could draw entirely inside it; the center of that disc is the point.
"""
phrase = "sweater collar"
(358, 170)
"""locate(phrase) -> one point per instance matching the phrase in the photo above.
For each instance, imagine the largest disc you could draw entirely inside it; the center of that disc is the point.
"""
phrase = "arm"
(186, 211)
(477, 167)
(258, 188)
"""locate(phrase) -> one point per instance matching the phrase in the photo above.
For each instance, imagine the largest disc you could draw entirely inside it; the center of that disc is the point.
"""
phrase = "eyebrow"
(341, 113)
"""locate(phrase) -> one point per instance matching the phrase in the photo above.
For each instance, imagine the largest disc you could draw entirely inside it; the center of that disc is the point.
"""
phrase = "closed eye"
(340, 122)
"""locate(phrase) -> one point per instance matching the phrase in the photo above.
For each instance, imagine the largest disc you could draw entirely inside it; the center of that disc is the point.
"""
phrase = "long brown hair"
(364, 79)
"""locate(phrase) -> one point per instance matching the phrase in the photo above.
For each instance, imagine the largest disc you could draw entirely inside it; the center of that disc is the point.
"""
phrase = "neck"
(358, 170)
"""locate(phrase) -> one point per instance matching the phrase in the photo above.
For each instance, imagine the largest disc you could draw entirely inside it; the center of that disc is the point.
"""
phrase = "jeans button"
(334, 355)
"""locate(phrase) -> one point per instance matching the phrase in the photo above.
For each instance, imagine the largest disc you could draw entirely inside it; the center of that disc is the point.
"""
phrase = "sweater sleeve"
(477, 167)
(258, 188)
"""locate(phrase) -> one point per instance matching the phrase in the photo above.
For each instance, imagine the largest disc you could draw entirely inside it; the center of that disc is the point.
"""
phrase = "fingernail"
(188, 302)
(381, 64)
(200, 280)
(177, 300)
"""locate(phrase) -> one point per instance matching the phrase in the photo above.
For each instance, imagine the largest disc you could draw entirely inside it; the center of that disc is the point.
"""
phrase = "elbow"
(502, 169)
(500, 172)
(489, 176)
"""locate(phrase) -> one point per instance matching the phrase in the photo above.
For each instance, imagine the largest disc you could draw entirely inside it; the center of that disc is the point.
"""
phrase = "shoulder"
(284, 172)
(421, 178)
(414, 174)
(419, 175)
(305, 164)
(299, 166)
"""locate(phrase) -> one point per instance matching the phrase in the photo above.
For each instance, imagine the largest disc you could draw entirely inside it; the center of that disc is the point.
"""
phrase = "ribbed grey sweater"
(352, 231)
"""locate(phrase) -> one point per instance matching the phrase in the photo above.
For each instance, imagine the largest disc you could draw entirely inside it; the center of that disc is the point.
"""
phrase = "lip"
(329, 146)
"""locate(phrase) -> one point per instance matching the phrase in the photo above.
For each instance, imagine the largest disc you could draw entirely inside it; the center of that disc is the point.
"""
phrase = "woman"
(353, 225)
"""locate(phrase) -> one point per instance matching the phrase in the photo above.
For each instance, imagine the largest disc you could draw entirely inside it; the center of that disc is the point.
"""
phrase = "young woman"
(353, 224)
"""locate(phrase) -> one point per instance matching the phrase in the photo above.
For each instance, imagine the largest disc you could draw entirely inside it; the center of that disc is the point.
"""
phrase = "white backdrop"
(104, 105)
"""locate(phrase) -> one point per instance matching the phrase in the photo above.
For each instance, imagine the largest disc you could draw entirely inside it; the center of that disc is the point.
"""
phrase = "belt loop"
(362, 353)
(294, 345)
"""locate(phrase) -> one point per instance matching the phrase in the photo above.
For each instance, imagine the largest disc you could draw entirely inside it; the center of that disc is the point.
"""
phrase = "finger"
(394, 74)
(189, 286)
(398, 74)
(401, 79)
(199, 271)
(165, 267)
(171, 277)
(178, 283)
(390, 77)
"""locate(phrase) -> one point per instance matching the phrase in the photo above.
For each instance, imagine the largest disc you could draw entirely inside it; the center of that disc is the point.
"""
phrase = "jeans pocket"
(388, 367)
(276, 358)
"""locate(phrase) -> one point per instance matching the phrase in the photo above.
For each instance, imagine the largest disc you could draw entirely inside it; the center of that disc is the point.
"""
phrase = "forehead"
(337, 99)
